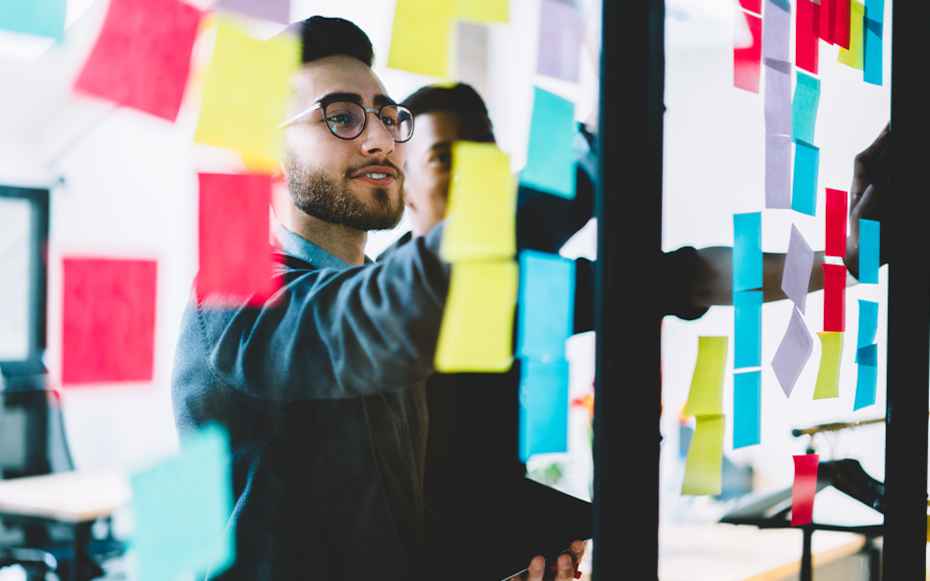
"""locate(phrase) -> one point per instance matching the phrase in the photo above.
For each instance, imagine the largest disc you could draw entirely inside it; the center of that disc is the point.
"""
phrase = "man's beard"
(319, 195)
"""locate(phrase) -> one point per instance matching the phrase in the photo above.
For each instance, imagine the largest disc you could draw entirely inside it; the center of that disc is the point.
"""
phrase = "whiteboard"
(15, 277)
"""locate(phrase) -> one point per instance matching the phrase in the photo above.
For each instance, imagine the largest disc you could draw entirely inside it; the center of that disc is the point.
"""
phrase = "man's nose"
(376, 139)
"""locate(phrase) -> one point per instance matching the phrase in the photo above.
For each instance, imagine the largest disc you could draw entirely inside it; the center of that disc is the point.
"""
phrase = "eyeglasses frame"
(367, 110)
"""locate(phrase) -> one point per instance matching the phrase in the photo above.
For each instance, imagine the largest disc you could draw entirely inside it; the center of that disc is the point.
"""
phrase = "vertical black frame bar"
(905, 236)
(628, 321)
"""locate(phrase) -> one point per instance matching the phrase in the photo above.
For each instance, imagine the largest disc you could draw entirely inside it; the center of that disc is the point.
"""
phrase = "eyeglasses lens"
(345, 120)
(398, 121)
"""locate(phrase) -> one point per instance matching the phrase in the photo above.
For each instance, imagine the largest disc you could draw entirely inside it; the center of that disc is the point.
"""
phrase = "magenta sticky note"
(804, 489)
(747, 62)
(561, 29)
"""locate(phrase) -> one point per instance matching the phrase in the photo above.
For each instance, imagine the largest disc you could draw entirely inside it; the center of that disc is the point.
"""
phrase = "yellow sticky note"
(854, 56)
(481, 214)
(828, 378)
(928, 528)
(246, 93)
(706, 395)
(477, 326)
(705, 457)
(483, 10)
(420, 36)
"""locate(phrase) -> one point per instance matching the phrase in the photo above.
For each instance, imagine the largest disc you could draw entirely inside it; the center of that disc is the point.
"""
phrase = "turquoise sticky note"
(543, 408)
(868, 325)
(550, 162)
(869, 248)
(38, 17)
(804, 107)
(747, 251)
(748, 314)
(875, 10)
(181, 510)
(806, 172)
(747, 408)
(867, 379)
(546, 305)
(872, 65)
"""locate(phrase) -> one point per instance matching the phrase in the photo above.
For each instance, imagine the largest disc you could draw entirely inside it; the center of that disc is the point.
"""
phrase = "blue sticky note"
(550, 162)
(747, 251)
(872, 59)
(804, 108)
(867, 356)
(39, 17)
(875, 10)
(546, 305)
(747, 408)
(748, 350)
(869, 247)
(867, 379)
(543, 408)
(868, 325)
(181, 510)
(806, 172)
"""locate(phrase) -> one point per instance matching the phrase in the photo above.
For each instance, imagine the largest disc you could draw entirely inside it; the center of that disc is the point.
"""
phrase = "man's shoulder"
(393, 248)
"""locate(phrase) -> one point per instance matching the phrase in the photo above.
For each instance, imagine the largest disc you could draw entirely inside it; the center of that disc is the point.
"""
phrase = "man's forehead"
(336, 74)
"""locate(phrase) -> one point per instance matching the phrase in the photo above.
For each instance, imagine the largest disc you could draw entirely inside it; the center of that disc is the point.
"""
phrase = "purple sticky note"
(793, 353)
(798, 264)
(274, 10)
(778, 172)
(561, 29)
(776, 30)
(777, 97)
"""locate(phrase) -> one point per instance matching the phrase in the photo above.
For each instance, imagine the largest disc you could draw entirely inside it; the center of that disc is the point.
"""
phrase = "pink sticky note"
(836, 223)
(834, 297)
(827, 20)
(235, 257)
(747, 62)
(560, 32)
(804, 489)
(807, 47)
(274, 10)
(108, 329)
(842, 23)
(752, 5)
(142, 56)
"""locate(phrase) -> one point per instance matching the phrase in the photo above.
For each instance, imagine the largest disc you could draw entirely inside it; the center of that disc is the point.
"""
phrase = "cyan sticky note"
(869, 248)
(804, 107)
(806, 172)
(867, 380)
(868, 324)
(38, 17)
(543, 408)
(550, 162)
(872, 63)
(747, 251)
(875, 10)
(546, 305)
(748, 315)
(747, 408)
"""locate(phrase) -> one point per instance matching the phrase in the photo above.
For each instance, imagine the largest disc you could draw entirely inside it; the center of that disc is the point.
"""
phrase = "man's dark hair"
(460, 98)
(322, 37)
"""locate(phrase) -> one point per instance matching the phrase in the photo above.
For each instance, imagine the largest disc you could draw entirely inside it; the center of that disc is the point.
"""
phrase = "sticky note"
(546, 305)
(181, 509)
(481, 215)
(828, 378)
(704, 466)
(796, 275)
(476, 333)
(550, 165)
(834, 297)
(483, 10)
(706, 395)
(872, 52)
(747, 409)
(854, 56)
(836, 223)
(869, 249)
(806, 172)
(807, 41)
(747, 251)
(793, 352)
(777, 97)
(245, 94)
(748, 332)
(420, 37)
(778, 171)
(804, 108)
(747, 62)
(841, 23)
(38, 17)
(827, 20)
(875, 10)
(543, 408)
(273, 10)
(751, 5)
(868, 323)
(561, 29)
(804, 489)
(776, 33)
(867, 377)
(108, 320)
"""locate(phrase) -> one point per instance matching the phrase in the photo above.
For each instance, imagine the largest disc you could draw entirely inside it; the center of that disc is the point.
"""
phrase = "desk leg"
(79, 548)
(807, 559)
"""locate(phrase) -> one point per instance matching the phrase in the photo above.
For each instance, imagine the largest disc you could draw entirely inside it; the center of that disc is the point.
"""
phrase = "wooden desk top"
(66, 496)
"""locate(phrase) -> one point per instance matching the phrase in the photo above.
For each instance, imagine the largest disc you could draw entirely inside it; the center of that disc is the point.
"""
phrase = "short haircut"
(322, 37)
(460, 98)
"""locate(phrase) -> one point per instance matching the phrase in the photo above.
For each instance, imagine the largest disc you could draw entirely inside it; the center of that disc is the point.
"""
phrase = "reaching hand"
(564, 566)
(868, 193)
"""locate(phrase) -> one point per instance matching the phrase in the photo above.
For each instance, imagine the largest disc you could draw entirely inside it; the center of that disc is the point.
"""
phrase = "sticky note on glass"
(747, 62)
(828, 378)
(751, 5)
(867, 379)
(804, 108)
(706, 395)
(246, 91)
(806, 173)
(841, 22)
(807, 37)
(481, 215)
(869, 247)
(875, 10)
(777, 98)
(776, 33)
(273, 10)
(483, 10)
(420, 36)
(704, 466)
(550, 161)
(748, 332)
(834, 297)
(854, 56)
(108, 320)
(793, 352)
(38, 17)
(747, 251)
(543, 408)
(796, 276)
(547, 300)
(827, 20)
(181, 510)
(836, 223)
(777, 171)
(872, 54)
(747, 409)
(477, 326)
(561, 29)
(868, 324)
(804, 489)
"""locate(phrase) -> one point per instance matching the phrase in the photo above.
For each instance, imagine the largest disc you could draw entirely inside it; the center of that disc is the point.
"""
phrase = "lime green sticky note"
(481, 215)
(854, 56)
(828, 378)
(706, 396)
(483, 10)
(246, 93)
(420, 36)
(477, 326)
(705, 457)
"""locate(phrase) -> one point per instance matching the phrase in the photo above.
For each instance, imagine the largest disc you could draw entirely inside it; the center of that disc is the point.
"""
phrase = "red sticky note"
(109, 320)
(827, 20)
(142, 56)
(842, 23)
(834, 297)
(804, 489)
(752, 5)
(807, 46)
(236, 264)
(747, 62)
(836, 223)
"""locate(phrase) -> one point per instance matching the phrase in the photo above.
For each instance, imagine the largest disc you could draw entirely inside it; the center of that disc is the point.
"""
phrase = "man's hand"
(868, 193)
(564, 566)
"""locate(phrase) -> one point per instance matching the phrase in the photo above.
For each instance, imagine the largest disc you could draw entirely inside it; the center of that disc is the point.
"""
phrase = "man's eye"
(343, 119)
(442, 158)
(388, 122)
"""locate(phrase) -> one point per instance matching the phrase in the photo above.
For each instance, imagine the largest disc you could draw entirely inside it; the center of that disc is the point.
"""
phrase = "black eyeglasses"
(346, 120)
